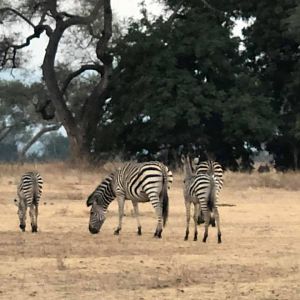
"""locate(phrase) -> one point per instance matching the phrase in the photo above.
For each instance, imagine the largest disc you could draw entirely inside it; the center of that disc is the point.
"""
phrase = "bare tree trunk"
(78, 125)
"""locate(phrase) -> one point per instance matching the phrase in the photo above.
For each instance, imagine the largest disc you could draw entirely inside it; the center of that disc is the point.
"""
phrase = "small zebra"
(138, 182)
(201, 191)
(212, 168)
(29, 193)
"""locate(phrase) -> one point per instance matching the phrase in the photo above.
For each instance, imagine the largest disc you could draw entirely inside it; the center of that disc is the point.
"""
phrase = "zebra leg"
(158, 209)
(22, 215)
(196, 214)
(32, 218)
(216, 214)
(32, 213)
(207, 220)
(121, 201)
(188, 217)
(212, 221)
(200, 217)
(136, 213)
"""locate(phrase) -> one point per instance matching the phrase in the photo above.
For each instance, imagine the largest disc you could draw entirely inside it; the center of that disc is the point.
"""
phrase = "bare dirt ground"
(258, 259)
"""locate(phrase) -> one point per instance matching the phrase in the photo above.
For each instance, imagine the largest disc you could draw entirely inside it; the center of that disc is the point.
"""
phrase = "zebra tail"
(35, 191)
(165, 200)
(212, 194)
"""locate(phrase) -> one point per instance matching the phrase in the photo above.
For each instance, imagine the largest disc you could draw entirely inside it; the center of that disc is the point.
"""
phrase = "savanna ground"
(258, 259)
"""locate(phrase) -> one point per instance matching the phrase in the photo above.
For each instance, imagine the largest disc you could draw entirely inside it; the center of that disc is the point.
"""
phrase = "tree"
(54, 20)
(190, 87)
(20, 123)
(272, 52)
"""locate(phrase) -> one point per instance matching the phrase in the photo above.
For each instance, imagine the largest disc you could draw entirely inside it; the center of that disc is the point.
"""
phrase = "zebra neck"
(106, 193)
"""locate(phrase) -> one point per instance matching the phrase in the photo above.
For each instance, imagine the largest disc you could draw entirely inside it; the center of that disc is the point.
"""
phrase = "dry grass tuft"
(287, 181)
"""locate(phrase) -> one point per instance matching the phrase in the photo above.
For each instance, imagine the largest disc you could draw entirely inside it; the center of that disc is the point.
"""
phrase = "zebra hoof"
(157, 234)
(22, 227)
(195, 239)
(186, 238)
(117, 232)
(139, 232)
(34, 228)
(219, 239)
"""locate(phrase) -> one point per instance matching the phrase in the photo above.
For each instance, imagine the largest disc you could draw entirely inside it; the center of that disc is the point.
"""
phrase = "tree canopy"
(178, 82)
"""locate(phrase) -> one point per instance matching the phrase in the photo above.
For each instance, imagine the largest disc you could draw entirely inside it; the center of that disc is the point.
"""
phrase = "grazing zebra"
(138, 182)
(201, 191)
(212, 168)
(29, 194)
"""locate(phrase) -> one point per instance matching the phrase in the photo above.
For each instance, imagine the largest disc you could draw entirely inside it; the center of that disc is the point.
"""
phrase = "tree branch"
(9, 48)
(36, 137)
(4, 131)
(174, 14)
(9, 9)
(88, 112)
(102, 44)
(82, 69)
(208, 5)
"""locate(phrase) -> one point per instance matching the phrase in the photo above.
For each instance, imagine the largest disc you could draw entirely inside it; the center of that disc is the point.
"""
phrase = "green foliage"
(272, 52)
(186, 83)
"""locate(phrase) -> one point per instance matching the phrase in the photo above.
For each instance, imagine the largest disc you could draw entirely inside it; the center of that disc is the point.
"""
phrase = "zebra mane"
(104, 191)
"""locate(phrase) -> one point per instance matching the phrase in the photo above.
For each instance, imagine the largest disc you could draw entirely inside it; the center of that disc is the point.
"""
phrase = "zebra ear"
(90, 200)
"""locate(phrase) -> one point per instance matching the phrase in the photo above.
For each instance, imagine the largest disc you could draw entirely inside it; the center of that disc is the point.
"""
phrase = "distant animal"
(138, 182)
(29, 193)
(201, 190)
(263, 169)
(210, 167)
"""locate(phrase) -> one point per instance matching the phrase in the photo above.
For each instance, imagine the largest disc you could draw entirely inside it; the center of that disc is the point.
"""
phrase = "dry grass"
(288, 181)
(258, 259)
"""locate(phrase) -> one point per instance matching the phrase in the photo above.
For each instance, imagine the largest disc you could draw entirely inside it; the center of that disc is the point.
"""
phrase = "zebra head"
(97, 214)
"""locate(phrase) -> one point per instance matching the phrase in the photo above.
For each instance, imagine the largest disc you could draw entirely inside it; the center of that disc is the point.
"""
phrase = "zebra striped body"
(212, 168)
(201, 190)
(29, 193)
(138, 182)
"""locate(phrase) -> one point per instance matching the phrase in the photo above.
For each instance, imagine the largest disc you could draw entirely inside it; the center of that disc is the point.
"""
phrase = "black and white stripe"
(210, 167)
(29, 193)
(201, 190)
(138, 182)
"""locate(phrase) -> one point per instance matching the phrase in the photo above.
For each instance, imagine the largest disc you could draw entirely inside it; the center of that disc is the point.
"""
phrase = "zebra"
(210, 167)
(201, 191)
(29, 193)
(138, 182)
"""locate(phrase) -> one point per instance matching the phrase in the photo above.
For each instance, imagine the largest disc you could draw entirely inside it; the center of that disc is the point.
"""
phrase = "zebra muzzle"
(93, 230)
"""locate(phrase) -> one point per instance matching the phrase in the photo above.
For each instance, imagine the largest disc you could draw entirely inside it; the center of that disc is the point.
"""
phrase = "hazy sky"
(122, 8)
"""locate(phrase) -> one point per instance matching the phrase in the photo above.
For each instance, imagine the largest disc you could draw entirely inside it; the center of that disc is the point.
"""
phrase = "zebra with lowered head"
(29, 193)
(138, 182)
(200, 189)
